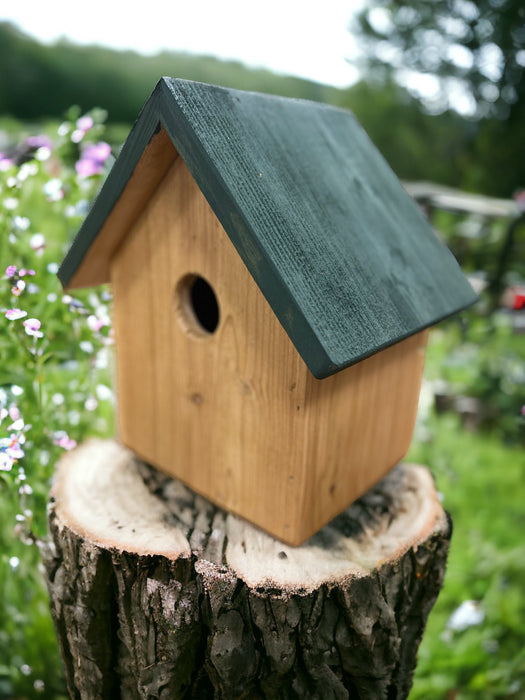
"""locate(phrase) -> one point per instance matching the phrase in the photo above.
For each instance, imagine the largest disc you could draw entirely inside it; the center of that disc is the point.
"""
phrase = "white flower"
(10, 203)
(43, 153)
(103, 392)
(27, 169)
(15, 314)
(53, 189)
(6, 463)
(37, 241)
(22, 223)
(32, 327)
(91, 403)
(17, 425)
(468, 614)
(77, 136)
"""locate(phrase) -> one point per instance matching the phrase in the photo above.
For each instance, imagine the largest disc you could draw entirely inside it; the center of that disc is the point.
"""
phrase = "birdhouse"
(272, 284)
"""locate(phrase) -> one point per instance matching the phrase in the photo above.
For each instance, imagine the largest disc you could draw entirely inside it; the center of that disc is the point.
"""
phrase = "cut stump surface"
(156, 593)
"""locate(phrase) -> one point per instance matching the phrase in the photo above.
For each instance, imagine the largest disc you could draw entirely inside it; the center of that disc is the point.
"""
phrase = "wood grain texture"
(339, 250)
(236, 414)
(226, 611)
(149, 171)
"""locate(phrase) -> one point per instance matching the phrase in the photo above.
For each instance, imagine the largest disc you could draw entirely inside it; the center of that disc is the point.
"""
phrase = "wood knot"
(197, 398)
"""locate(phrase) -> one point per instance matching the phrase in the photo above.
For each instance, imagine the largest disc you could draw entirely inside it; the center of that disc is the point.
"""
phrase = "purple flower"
(40, 141)
(523, 410)
(10, 451)
(85, 123)
(10, 270)
(5, 163)
(77, 135)
(86, 167)
(14, 412)
(93, 158)
(14, 450)
(15, 314)
(94, 323)
(32, 326)
(62, 439)
(99, 151)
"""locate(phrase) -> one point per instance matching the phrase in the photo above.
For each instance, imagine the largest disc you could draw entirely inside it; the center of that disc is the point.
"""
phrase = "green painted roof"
(341, 252)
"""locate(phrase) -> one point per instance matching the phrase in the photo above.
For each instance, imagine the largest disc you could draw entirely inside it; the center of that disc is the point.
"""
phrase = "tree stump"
(156, 593)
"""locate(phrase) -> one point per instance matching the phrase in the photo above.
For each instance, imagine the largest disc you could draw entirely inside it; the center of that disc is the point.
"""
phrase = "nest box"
(272, 284)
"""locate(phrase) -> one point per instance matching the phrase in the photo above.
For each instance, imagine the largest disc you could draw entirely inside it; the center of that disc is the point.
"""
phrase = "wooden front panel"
(236, 414)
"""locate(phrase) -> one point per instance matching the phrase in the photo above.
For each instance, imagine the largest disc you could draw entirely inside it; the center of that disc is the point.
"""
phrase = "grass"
(482, 482)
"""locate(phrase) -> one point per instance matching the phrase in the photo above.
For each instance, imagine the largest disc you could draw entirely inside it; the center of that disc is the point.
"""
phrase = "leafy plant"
(54, 375)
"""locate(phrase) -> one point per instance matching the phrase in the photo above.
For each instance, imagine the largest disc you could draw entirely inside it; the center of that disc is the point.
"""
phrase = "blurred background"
(440, 88)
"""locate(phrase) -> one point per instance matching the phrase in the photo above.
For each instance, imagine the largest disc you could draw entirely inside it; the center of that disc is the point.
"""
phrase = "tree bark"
(156, 593)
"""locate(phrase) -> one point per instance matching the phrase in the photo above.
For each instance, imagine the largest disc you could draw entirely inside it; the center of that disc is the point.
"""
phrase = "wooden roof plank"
(341, 252)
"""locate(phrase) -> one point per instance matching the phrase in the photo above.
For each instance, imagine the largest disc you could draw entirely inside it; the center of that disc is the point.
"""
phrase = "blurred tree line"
(458, 51)
(480, 153)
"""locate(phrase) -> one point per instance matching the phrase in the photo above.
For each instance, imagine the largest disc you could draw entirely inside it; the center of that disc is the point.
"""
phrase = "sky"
(294, 37)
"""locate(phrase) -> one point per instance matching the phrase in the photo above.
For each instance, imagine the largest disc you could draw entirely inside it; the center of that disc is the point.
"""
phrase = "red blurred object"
(514, 297)
(519, 301)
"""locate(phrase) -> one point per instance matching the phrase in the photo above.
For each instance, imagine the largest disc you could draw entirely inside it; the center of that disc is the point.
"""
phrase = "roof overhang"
(341, 252)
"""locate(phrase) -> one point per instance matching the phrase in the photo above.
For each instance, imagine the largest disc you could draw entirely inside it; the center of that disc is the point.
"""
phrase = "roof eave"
(141, 164)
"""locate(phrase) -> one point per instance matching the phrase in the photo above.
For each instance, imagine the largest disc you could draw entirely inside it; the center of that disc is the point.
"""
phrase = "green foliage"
(457, 54)
(418, 146)
(482, 485)
(477, 47)
(54, 384)
(39, 81)
(480, 475)
(485, 360)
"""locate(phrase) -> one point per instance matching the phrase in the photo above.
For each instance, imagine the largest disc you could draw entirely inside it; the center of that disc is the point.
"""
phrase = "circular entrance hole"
(197, 305)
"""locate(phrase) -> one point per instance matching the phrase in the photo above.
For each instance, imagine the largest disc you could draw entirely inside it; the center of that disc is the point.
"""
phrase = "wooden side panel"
(368, 413)
(236, 414)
